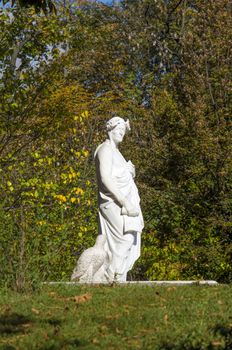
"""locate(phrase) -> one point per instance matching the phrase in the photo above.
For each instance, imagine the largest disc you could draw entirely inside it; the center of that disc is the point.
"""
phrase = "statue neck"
(113, 144)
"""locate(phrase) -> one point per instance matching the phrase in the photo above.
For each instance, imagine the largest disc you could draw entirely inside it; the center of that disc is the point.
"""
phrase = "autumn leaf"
(216, 343)
(6, 309)
(35, 311)
(79, 298)
(82, 298)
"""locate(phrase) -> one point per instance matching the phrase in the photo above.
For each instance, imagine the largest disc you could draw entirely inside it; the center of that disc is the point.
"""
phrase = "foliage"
(45, 5)
(164, 65)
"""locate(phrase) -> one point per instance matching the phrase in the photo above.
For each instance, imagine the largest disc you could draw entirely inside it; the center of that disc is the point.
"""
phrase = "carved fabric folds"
(123, 233)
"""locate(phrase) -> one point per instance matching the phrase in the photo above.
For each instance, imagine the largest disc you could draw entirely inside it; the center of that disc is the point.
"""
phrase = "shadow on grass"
(225, 343)
(62, 344)
(7, 347)
(182, 346)
(13, 323)
(226, 333)
(74, 343)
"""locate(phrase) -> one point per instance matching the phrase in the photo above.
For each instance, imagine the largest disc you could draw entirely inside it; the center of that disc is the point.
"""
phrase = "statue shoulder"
(103, 150)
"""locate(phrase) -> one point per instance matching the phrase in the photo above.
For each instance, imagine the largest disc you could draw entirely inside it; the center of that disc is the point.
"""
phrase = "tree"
(163, 65)
(44, 5)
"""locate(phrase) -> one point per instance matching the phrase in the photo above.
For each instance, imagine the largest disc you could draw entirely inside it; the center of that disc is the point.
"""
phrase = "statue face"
(118, 133)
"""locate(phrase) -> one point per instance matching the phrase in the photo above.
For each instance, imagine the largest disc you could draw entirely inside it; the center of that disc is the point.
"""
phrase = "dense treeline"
(165, 65)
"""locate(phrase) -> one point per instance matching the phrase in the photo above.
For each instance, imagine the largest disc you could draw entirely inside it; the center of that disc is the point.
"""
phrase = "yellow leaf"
(85, 114)
(79, 191)
(85, 153)
(61, 198)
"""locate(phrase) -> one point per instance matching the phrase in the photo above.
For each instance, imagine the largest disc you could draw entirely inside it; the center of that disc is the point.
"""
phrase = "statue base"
(146, 283)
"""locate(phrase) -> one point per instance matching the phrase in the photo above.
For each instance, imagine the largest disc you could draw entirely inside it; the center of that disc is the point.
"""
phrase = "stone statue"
(120, 218)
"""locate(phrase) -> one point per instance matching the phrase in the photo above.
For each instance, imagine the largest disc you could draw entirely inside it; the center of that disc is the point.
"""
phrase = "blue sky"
(105, 1)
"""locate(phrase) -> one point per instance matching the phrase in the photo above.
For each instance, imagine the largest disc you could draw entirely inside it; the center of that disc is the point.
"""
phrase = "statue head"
(116, 128)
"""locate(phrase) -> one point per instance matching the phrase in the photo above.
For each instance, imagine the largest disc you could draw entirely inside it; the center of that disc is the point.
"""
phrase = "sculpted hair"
(113, 122)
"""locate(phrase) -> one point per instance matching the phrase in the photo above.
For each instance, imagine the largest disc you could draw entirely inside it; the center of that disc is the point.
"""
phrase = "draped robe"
(122, 232)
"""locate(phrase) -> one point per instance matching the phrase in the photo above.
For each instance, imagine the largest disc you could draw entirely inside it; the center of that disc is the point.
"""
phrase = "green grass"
(113, 317)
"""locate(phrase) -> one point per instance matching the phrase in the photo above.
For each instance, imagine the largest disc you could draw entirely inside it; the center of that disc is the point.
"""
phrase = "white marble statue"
(120, 218)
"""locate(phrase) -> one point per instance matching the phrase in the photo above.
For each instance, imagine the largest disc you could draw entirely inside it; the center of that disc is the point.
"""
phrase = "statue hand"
(131, 168)
(129, 209)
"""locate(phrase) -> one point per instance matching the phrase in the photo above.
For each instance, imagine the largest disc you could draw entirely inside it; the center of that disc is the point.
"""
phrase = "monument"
(120, 223)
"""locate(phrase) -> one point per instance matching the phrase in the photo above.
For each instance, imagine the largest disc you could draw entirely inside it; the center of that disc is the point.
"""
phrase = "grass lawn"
(114, 317)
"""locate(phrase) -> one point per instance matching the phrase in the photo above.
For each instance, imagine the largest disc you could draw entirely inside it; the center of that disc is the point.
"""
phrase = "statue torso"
(119, 172)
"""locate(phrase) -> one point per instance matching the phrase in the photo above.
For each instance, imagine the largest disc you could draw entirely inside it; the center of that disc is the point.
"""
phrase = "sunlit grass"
(105, 317)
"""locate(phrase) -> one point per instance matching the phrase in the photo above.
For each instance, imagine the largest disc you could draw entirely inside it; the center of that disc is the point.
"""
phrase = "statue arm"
(105, 158)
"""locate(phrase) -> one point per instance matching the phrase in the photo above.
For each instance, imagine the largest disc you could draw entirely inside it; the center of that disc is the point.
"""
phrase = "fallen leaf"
(161, 298)
(103, 328)
(82, 298)
(56, 330)
(26, 325)
(95, 341)
(45, 336)
(6, 309)
(166, 318)
(35, 311)
(112, 317)
(78, 298)
(144, 331)
(216, 343)
(117, 331)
